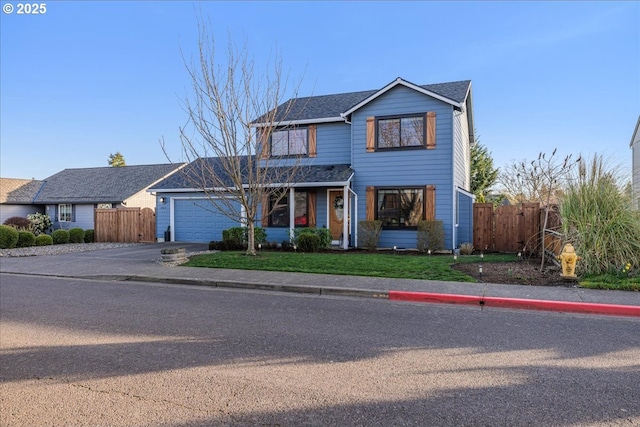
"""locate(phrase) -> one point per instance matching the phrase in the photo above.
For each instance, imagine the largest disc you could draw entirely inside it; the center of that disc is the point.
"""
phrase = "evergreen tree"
(483, 174)
(116, 160)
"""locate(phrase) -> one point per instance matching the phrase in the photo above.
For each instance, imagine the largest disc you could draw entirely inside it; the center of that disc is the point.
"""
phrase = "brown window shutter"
(431, 130)
(371, 134)
(371, 203)
(430, 203)
(265, 210)
(312, 141)
(311, 207)
(264, 139)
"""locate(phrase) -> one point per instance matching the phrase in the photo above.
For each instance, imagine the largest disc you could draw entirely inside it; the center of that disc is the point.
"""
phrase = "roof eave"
(298, 122)
(396, 82)
(635, 137)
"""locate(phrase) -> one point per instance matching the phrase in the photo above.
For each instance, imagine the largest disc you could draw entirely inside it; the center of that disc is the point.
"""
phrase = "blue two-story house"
(399, 154)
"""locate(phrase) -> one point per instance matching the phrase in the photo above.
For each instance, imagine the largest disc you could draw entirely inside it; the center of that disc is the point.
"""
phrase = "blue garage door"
(198, 220)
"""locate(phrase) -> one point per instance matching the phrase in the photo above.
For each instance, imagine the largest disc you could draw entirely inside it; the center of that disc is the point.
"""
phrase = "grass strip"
(435, 267)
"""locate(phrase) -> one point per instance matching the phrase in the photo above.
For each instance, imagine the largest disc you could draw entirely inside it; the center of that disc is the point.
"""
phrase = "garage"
(198, 220)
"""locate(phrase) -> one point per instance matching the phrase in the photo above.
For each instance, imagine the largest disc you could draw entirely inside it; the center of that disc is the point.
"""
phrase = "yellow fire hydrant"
(569, 259)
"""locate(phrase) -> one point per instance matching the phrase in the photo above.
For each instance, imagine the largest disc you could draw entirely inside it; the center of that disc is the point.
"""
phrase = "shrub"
(25, 239)
(233, 238)
(215, 246)
(308, 242)
(44, 240)
(323, 238)
(76, 235)
(236, 238)
(40, 223)
(18, 222)
(369, 234)
(60, 237)
(594, 197)
(8, 237)
(89, 236)
(466, 249)
(430, 236)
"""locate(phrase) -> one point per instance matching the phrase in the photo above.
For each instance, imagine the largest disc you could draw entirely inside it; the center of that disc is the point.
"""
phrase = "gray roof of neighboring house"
(101, 185)
(197, 175)
(198, 172)
(331, 106)
(18, 191)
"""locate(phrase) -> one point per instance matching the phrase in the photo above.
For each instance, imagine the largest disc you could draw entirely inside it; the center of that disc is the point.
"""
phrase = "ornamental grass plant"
(599, 220)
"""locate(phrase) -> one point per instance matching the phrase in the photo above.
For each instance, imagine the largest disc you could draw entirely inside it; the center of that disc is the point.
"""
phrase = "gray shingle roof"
(18, 191)
(100, 185)
(197, 172)
(191, 176)
(331, 106)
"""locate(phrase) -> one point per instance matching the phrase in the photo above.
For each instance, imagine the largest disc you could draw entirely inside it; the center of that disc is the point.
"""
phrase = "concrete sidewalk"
(142, 263)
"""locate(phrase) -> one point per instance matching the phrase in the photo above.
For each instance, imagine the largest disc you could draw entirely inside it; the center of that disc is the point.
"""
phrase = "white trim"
(298, 122)
(635, 134)
(172, 218)
(277, 184)
(466, 193)
(396, 82)
(347, 217)
(292, 211)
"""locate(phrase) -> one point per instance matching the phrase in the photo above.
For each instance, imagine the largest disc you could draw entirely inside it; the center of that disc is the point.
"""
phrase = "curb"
(300, 289)
(407, 296)
(518, 303)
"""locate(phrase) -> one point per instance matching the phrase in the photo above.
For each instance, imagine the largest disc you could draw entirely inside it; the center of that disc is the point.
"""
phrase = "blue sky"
(89, 78)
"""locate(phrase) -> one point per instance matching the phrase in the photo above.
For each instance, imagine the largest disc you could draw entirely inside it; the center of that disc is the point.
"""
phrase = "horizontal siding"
(462, 152)
(7, 211)
(333, 146)
(142, 199)
(84, 217)
(465, 219)
(416, 167)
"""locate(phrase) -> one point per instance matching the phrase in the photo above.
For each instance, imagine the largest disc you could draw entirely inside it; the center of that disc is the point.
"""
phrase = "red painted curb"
(527, 304)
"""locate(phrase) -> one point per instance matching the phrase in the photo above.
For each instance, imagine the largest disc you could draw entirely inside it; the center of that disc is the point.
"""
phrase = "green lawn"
(436, 267)
(610, 281)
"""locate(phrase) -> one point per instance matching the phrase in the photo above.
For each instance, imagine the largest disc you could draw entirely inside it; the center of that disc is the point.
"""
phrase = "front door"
(337, 213)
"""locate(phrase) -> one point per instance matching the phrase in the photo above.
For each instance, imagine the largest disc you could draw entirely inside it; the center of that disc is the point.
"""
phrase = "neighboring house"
(635, 146)
(70, 196)
(399, 154)
(16, 198)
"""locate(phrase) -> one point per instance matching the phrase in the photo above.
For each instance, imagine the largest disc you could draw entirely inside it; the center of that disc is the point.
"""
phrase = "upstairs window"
(400, 132)
(289, 142)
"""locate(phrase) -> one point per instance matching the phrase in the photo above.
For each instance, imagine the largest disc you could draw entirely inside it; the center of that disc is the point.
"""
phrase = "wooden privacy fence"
(125, 225)
(507, 228)
(553, 237)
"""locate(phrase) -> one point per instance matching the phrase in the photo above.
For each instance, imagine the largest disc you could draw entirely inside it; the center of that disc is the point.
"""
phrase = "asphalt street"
(121, 353)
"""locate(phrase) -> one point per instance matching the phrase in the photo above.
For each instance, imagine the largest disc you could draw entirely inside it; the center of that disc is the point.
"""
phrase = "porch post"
(292, 211)
(345, 222)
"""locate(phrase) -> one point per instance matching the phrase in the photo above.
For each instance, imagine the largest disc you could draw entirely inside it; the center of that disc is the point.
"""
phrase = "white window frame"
(62, 208)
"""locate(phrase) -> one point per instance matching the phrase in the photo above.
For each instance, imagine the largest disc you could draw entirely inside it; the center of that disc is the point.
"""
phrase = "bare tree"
(540, 180)
(233, 111)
